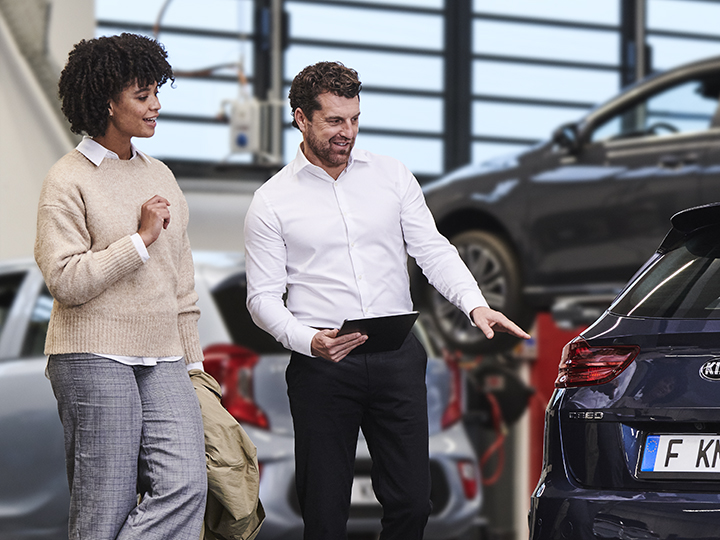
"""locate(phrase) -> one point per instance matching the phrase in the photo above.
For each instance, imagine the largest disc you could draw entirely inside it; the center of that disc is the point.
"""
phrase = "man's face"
(330, 136)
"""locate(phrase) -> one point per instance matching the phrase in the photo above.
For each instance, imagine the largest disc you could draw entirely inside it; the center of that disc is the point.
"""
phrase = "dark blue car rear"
(632, 432)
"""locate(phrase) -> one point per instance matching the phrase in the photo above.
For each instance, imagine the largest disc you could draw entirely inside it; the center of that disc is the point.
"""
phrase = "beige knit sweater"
(107, 300)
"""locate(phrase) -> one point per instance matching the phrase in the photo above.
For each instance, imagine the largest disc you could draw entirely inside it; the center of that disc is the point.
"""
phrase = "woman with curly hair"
(113, 248)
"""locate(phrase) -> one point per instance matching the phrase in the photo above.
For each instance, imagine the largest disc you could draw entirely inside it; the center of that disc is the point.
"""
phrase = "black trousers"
(385, 395)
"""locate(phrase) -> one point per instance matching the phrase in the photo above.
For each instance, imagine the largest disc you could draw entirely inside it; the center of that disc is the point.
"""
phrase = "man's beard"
(324, 150)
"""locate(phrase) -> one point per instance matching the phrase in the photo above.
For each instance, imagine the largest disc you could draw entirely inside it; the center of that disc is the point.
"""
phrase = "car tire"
(497, 272)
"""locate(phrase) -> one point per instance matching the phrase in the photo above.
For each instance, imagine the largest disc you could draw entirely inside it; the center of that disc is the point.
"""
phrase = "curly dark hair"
(98, 70)
(317, 79)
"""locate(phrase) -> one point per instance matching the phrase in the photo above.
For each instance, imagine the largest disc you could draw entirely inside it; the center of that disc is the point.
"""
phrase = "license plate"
(362, 492)
(678, 456)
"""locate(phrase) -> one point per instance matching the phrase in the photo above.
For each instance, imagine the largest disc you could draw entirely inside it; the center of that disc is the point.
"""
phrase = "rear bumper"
(589, 514)
(563, 508)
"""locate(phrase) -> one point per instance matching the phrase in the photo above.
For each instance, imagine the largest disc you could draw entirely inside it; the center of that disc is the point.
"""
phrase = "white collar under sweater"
(96, 152)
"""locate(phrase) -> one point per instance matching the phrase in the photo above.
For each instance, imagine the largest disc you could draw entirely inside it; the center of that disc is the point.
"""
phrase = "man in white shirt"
(333, 230)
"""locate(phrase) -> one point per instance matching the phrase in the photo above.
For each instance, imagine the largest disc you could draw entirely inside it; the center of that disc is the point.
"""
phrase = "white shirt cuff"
(140, 246)
(195, 365)
(472, 301)
(301, 341)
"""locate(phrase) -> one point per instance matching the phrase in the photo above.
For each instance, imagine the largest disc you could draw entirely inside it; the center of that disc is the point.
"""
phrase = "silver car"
(250, 366)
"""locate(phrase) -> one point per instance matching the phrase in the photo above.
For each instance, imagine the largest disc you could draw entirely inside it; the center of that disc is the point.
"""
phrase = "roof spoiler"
(689, 220)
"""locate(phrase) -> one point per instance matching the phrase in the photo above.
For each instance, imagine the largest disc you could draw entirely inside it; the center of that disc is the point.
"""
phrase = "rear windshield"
(683, 284)
(230, 298)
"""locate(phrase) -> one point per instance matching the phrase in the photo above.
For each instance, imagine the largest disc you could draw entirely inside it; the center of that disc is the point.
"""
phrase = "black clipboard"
(384, 334)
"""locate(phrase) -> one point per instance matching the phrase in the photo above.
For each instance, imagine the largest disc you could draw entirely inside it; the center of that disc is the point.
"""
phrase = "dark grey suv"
(577, 215)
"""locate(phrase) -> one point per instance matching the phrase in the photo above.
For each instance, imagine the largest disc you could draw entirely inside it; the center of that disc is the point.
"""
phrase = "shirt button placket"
(354, 256)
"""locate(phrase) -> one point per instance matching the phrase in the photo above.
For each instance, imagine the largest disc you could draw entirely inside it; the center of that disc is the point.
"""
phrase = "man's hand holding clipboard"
(363, 336)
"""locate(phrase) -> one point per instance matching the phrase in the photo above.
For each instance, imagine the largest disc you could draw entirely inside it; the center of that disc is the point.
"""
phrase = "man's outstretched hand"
(328, 345)
(491, 321)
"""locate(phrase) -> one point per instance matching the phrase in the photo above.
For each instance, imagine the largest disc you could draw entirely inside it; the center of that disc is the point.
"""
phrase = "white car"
(250, 366)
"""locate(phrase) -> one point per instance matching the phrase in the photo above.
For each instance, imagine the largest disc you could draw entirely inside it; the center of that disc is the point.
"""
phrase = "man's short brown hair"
(318, 79)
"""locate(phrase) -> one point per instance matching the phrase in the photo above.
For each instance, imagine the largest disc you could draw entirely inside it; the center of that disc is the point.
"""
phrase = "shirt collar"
(96, 152)
(301, 162)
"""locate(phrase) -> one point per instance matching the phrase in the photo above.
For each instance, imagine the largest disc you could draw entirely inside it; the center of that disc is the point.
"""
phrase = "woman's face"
(134, 112)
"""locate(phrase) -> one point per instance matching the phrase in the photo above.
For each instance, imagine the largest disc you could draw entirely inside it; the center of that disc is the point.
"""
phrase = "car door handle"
(672, 161)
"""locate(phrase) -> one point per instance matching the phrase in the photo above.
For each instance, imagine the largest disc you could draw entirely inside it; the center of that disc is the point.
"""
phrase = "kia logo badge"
(710, 370)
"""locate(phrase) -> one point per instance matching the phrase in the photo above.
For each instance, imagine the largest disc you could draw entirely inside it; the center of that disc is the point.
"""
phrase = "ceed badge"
(710, 370)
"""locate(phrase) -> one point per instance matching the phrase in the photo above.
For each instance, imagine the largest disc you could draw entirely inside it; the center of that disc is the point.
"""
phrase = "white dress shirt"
(96, 152)
(340, 248)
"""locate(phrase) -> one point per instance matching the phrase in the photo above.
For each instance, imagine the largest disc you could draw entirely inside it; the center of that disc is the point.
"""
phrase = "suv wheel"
(497, 273)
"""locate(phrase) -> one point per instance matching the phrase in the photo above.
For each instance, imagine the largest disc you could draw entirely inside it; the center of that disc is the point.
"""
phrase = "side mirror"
(566, 137)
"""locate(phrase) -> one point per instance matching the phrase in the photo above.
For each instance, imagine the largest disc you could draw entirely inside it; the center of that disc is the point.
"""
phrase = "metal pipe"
(640, 32)
(276, 78)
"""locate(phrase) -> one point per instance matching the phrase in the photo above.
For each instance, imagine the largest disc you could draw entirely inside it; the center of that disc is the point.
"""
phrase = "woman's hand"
(154, 217)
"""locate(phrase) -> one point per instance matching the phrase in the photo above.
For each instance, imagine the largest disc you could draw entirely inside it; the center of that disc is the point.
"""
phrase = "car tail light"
(232, 367)
(585, 365)
(468, 477)
(454, 410)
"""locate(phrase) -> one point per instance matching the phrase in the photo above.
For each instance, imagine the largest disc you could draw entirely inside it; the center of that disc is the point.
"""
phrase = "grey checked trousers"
(130, 430)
